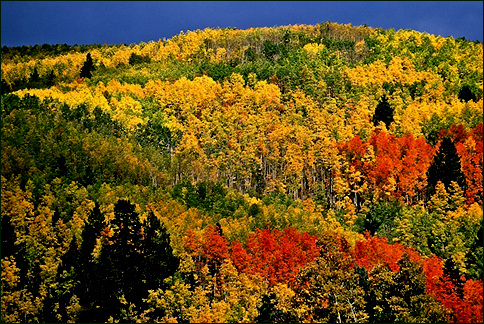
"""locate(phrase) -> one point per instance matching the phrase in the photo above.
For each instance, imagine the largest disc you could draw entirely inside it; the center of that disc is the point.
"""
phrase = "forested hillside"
(325, 173)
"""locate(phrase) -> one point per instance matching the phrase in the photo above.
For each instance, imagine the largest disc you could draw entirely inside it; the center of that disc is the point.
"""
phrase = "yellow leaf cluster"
(399, 70)
(313, 49)
(81, 94)
(115, 87)
(128, 112)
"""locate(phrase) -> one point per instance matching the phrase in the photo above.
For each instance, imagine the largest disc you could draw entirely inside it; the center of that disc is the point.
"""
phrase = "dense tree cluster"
(325, 173)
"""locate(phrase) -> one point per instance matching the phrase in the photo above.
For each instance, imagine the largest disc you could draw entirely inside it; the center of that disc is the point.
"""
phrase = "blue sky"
(128, 22)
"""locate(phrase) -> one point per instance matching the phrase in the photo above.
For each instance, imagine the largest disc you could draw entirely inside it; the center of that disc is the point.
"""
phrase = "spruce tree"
(383, 112)
(137, 257)
(445, 166)
(465, 94)
(87, 67)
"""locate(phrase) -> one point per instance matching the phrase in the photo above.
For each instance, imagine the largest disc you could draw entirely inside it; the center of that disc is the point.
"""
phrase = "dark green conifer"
(383, 112)
(466, 94)
(87, 67)
(136, 258)
(445, 166)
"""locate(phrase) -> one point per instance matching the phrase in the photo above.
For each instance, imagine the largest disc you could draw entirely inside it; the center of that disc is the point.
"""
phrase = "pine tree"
(87, 67)
(157, 254)
(35, 77)
(446, 166)
(50, 79)
(466, 94)
(383, 112)
(137, 257)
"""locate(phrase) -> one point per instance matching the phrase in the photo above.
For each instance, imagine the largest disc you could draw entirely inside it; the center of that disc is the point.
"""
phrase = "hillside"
(287, 174)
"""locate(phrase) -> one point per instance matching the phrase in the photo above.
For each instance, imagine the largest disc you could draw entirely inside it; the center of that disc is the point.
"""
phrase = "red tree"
(277, 255)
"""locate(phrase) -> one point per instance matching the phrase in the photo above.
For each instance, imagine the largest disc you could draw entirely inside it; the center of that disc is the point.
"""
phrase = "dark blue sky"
(116, 22)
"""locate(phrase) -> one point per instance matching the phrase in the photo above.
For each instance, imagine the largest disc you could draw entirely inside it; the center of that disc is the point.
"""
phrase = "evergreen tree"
(35, 81)
(137, 257)
(401, 297)
(50, 79)
(445, 166)
(270, 313)
(118, 269)
(453, 274)
(157, 254)
(379, 219)
(8, 237)
(4, 87)
(35, 77)
(383, 112)
(138, 59)
(466, 94)
(87, 67)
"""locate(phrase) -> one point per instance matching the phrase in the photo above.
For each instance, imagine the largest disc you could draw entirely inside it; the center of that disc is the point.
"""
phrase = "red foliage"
(239, 257)
(471, 163)
(433, 270)
(209, 251)
(277, 256)
(473, 298)
(444, 292)
(416, 157)
(404, 159)
(215, 249)
(470, 157)
(354, 150)
(456, 132)
(192, 244)
(375, 250)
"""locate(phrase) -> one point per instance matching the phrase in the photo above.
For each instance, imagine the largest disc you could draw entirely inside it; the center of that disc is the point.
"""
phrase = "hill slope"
(237, 164)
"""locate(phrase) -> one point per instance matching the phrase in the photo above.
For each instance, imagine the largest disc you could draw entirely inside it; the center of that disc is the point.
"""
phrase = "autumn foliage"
(389, 165)
(274, 255)
(326, 173)
(464, 308)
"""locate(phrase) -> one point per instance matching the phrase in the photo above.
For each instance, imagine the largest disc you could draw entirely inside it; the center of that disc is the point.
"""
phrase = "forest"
(302, 173)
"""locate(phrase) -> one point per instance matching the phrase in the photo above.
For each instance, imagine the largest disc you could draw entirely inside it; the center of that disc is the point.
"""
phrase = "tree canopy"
(287, 174)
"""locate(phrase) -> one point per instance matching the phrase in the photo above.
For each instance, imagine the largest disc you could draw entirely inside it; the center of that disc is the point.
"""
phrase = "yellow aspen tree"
(17, 305)
(128, 112)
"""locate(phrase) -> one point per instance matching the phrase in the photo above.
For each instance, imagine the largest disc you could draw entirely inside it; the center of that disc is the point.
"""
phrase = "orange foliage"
(376, 250)
(215, 249)
(275, 255)
(469, 146)
(473, 299)
(239, 257)
(192, 244)
(398, 167)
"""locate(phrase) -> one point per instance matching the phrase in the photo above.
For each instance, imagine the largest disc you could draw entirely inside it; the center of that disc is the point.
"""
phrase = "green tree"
(158, 261)
(401, 296)
(445, 166)
(379, 219)
(270, 313)
(466, 94)
(87, 67)
(330, 290)
(135, 257)
(250, 54)
(138, 59)
(383, 112)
